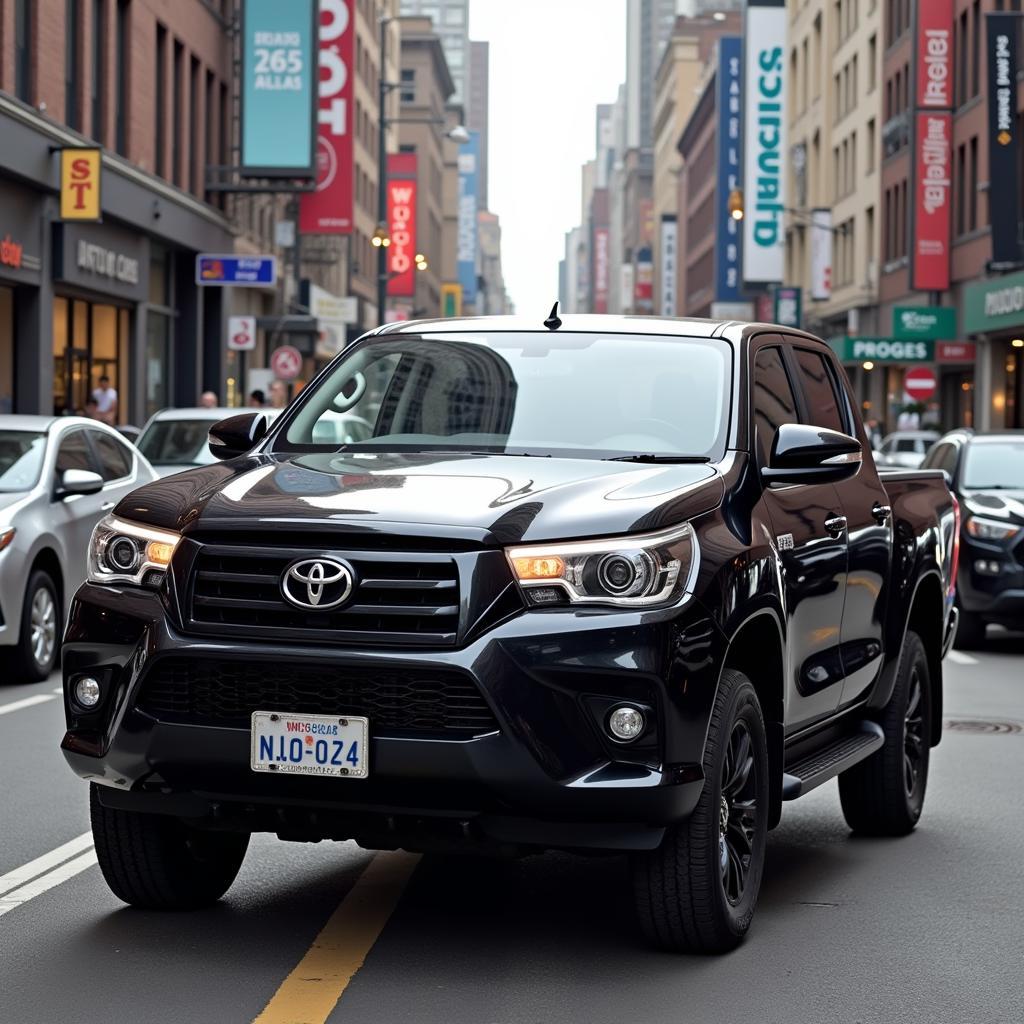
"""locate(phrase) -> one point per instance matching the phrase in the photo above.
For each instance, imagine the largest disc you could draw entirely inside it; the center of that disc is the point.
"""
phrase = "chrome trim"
(844, 458)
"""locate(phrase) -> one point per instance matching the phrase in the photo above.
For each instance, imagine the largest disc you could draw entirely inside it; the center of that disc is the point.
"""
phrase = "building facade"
(477, 105)
(451, 22)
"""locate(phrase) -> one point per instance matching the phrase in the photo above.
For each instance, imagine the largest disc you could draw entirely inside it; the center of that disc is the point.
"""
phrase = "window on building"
(972, 185)
(99, 70)
(194, 147)
(23, 49)
(210, 149)
(121, 75)
(177, 164)
(160, 113)
(961, 187)
(869, 241)
(454, 16)
(72, 38)
(872, 142)
(976, 48)
(961, 52)
(872, 63)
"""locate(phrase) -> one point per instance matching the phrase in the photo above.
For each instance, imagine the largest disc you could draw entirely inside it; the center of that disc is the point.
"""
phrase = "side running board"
(827, 763)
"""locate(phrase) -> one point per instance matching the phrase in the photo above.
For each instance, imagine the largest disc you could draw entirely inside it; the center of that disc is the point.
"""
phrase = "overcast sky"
(552, 61)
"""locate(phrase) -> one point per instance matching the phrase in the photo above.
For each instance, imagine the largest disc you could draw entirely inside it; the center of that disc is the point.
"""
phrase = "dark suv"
(986, 473)
(610, 584)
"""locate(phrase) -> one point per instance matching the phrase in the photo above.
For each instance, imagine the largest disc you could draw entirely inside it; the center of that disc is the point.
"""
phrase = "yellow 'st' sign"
(80, 184)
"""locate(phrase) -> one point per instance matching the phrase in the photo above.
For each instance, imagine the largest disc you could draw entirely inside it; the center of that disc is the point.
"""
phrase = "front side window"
(819, 391)
(115, 459)
(21, 458)
(587, 395)
(774, 403)
(74, 453)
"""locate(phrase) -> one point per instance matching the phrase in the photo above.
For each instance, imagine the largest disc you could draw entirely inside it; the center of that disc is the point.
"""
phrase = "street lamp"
(381, 239)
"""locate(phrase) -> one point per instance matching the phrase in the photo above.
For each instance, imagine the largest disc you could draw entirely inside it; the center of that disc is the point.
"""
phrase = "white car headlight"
(990, 529)
(625, 572)
(125, 552)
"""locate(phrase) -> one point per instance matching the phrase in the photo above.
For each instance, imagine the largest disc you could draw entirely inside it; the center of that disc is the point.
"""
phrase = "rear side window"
(115, 459)
(823, 408)
(774, 403)
(942, 456)
(74, 453)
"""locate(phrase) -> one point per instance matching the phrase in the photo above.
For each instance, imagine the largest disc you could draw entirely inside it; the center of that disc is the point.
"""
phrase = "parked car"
(58, 478)
(906, 448)
(545, 604)
(986, 472)
(128, 431)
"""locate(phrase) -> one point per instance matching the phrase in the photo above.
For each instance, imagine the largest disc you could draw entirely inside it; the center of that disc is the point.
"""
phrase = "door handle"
(835, 525)
(107, 506)
(881, 512)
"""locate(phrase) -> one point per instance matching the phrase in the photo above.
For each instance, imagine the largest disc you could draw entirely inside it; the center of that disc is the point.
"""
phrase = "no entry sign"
(286, 362)
(920, 383)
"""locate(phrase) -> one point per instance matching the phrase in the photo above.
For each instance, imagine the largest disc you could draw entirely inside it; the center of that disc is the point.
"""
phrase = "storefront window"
(158, 334)
(6, 350)
(89, 341)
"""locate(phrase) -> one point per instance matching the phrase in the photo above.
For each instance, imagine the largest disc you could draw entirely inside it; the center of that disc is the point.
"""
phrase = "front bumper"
(546, 776)
(996, 597)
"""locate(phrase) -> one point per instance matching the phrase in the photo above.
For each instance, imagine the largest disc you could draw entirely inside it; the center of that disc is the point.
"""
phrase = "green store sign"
(882, 350)
(994, 305)
(910, 323)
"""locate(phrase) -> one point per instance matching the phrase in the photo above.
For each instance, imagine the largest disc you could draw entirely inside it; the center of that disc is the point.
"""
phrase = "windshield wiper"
(652, 457)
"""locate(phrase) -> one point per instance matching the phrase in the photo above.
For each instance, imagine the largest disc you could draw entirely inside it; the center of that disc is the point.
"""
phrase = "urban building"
(477, 104)
(493, 300)
(451, 22)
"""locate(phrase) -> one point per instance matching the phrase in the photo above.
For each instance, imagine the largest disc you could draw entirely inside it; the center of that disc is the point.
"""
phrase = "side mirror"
(237, 434)
(79, 481)
(804, 454)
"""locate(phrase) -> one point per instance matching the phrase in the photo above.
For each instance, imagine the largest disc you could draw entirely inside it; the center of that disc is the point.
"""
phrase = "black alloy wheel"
(738, 812)
(915, 736)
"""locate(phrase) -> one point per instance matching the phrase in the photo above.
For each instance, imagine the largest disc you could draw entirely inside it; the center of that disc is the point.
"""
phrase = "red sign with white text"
(934, 55)
(920, 383)
(328, 210)
(402, 223)
(933, 159)
(955, 351)
(601, 270)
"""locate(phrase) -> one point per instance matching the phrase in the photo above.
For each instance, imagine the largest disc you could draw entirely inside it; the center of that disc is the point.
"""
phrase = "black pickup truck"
(601, 585)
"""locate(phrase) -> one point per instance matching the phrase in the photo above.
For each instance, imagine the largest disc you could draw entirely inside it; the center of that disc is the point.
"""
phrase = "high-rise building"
(476, 106)
(451, 22)
(648, 27)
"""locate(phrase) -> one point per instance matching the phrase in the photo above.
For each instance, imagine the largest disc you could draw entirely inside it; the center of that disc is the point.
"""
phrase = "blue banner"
(729, 235)
(279, 87)
(242, 270)
(469, 184)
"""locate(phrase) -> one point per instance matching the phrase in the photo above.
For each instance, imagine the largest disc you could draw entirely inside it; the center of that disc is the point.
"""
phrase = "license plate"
(310, 744)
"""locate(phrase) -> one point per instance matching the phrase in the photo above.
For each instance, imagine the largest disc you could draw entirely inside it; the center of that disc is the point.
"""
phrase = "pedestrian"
(106, 401)
(92, 408)
(208, 400)
(874, 432)
(278, 394)
(257, 399)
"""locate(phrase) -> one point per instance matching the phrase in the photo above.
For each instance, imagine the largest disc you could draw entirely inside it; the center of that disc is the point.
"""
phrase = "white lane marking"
(47, 862)
(25, 702)
(46, 882)
(959, 658)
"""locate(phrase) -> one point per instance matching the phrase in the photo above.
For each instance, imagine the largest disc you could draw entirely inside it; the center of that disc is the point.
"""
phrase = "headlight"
(627, 572)
(124, 552)
(990, 529)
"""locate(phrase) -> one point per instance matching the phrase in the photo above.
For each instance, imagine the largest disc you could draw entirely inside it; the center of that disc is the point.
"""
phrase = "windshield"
(995, 465)
(21, 458)
(585, 395)
(177, 442)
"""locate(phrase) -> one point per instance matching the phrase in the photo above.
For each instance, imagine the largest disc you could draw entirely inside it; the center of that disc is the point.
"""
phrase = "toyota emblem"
(316, 584)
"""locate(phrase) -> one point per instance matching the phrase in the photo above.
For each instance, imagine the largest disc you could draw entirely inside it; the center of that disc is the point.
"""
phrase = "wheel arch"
(756, 649)
(926, 620)
(47, 559)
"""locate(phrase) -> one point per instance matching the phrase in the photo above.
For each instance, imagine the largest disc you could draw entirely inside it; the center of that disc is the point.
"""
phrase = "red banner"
(328, 210)
(601, 270)
(933, 158)
(935, 55)
(402, 223)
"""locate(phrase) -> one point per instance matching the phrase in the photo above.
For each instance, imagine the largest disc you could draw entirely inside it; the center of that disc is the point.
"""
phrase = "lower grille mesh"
(227, 692)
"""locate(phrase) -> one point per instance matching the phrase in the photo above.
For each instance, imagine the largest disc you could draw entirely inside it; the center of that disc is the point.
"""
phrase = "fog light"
(984, 567)
(87, 692)
(626, 723)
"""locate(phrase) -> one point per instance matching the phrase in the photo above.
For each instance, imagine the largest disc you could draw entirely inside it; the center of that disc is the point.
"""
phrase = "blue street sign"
(242, 270)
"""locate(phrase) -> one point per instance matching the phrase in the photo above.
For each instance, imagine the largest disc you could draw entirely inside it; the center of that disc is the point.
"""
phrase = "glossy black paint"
(803, 454)
(809, 588)
(237, 435)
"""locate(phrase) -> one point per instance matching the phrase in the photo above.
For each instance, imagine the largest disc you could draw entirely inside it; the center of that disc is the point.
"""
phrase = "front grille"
(399, 597)
(227, 692)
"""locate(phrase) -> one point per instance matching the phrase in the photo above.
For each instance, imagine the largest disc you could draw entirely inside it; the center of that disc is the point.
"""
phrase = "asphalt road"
(923, 929)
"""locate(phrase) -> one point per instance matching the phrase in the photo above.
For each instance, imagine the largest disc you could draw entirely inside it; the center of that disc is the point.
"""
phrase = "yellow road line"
(312, 990)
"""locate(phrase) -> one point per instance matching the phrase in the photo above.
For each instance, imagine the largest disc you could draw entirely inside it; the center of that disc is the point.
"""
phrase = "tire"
(685, 899)
(883, 795)
(157, 862)
(38, 648)
(970, 631)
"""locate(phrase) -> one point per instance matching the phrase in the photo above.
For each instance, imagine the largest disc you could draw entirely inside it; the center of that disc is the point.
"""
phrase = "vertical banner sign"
(451, 299)
(764, 174)
(278, 76)
(669, 241)
(728, 238)
(931, 233)
(328, 210)
(600, 270)
(1004, 188)
(402, 223)
(80, 171)
(466, 248)
(821, 253)
(643, 286)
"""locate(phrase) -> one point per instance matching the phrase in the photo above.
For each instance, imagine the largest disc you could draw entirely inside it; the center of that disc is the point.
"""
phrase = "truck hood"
(1008, 505)
(489, 499)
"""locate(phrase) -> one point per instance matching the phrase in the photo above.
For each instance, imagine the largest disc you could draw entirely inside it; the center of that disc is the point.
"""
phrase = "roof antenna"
(553, 322)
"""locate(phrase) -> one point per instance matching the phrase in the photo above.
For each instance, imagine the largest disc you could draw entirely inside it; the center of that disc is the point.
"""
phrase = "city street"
(923, 929)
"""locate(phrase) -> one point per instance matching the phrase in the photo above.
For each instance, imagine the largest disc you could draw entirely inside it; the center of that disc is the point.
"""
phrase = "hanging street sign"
(212, 269)
(241, 333)
(934, 322)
